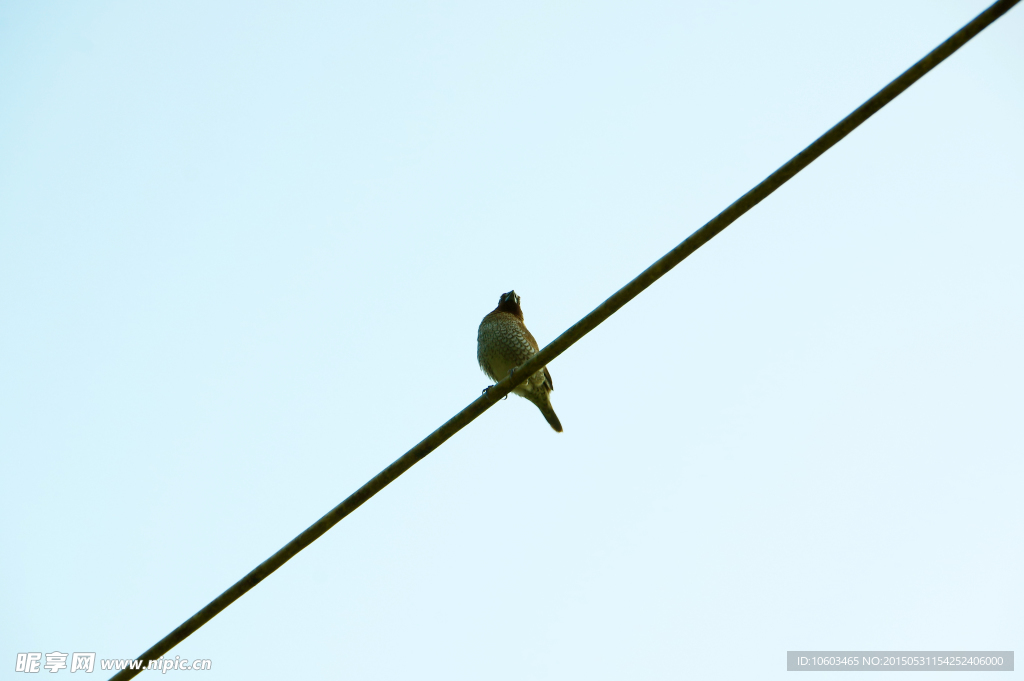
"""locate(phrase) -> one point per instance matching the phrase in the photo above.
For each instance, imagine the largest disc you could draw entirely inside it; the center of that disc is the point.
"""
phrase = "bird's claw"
(510, 373)
(485, 390)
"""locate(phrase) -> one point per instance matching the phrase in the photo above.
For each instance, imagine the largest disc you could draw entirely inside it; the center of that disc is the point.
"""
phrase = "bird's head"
(509, 302)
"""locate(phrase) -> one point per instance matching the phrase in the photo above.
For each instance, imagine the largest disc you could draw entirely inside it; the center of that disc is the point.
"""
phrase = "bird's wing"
(529, 337)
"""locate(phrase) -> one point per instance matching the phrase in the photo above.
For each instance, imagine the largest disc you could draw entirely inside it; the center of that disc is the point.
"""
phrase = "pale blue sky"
(244, 250)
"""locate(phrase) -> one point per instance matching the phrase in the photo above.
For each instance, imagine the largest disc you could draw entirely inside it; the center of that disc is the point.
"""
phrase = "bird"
(502, 343)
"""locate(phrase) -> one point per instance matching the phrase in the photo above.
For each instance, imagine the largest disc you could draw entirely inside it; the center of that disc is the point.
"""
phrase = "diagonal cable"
(577, 330)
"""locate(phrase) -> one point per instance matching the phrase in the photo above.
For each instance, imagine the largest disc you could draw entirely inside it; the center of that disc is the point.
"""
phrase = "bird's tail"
(543, 403)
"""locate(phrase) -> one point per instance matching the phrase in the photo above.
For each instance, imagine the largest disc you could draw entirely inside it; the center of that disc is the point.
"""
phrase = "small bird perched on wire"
(503, 343)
